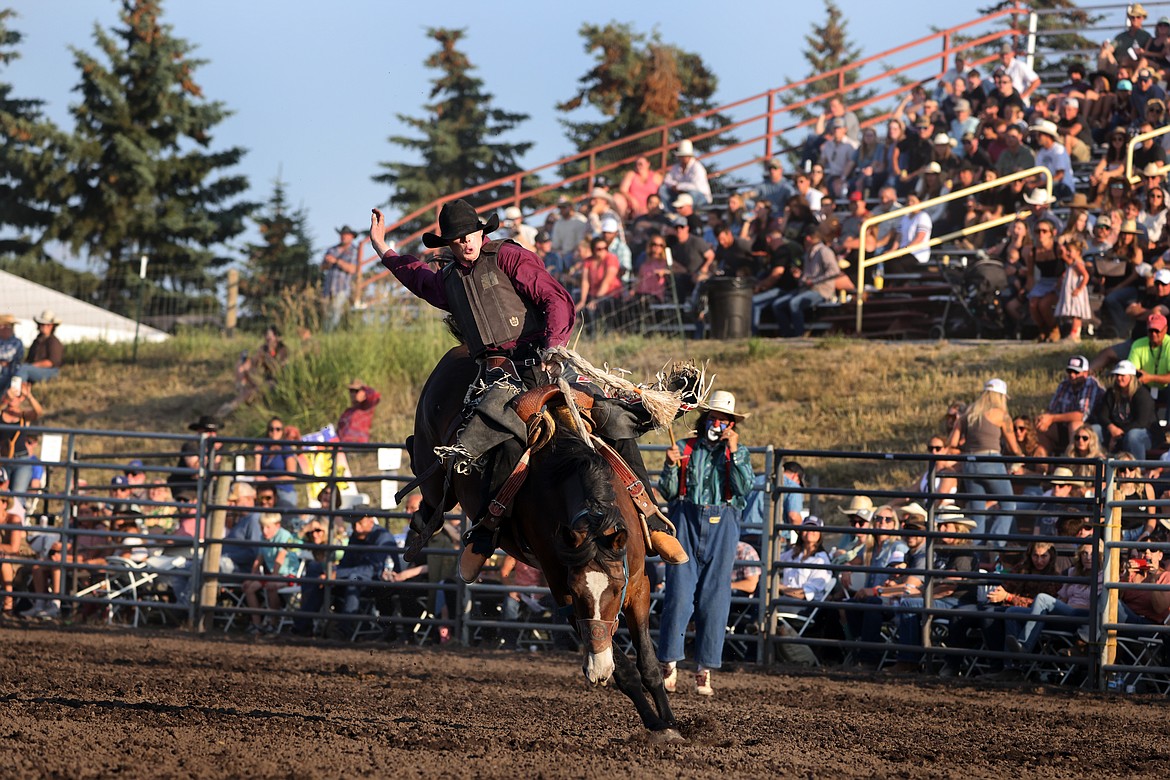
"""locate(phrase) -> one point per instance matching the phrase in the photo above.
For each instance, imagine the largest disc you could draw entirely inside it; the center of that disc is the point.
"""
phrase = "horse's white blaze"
(596, 582)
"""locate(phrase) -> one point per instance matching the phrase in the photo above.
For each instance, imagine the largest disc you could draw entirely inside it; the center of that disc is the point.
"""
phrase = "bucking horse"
(572, 517)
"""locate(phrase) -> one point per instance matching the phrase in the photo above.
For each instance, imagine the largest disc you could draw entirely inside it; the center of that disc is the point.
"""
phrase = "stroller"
(977, 307)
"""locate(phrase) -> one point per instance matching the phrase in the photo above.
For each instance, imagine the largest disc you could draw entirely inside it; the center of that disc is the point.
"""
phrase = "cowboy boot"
(479, 544)
(662, 541)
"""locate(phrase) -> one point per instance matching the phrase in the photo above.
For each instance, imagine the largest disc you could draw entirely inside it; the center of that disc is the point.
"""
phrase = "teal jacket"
(706, 473)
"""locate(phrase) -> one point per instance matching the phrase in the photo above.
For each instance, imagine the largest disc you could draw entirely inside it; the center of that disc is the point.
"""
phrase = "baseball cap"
(1125, 368)
(119, 481)
(1162, 276)
(856, 195)
(3, 474)
(1079, 363)
(813, 520)
(542, 236)
(609, 225)
(683, 200)
(134, 466)
(995, 386)
(1156, 321)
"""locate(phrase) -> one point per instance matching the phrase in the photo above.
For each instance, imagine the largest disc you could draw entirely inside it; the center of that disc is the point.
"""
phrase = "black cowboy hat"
(346, 229)
(456, 220)
(205, 423)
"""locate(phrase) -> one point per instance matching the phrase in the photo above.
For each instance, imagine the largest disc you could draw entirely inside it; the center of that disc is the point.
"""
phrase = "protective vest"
(485, 305)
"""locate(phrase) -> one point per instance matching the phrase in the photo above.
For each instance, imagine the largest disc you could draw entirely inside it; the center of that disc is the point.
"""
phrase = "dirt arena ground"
(95, 703)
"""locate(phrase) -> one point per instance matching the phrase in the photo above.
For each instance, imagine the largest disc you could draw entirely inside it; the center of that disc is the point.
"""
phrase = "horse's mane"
(573, 459)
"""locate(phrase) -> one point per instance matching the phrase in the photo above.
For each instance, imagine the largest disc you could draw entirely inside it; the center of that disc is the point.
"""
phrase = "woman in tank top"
(1044, 269)
(986, 425)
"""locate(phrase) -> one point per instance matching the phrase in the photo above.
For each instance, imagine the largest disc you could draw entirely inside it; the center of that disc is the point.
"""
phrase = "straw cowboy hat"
(952, 513)
(861, 506)
(1152, 169)
(456, 220)
(723, 402)
(912, 510)
(47, 317)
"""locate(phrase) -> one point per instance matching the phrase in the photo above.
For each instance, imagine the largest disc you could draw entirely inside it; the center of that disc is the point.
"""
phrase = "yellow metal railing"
(1140, 138)
(864, 262)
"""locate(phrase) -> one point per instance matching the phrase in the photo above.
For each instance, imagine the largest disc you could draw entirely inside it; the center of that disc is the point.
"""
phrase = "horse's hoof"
(667, 737)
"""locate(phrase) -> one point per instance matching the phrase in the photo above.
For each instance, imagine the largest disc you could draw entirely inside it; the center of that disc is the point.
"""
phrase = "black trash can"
(730, 302)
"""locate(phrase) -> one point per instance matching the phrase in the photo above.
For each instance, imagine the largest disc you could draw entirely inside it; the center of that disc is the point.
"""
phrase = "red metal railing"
(768, 142)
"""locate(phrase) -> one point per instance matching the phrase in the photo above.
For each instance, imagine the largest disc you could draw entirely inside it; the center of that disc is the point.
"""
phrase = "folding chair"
(799, 622)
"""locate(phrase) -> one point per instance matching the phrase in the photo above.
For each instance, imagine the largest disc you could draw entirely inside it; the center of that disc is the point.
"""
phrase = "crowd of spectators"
(997, 518)
(651, 241)
(294, 508)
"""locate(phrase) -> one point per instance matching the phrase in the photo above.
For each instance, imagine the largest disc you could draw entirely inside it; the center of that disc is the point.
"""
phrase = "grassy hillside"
(832, 394)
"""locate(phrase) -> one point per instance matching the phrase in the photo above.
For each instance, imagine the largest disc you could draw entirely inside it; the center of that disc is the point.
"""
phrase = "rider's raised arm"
(419, 278)
(532, 281)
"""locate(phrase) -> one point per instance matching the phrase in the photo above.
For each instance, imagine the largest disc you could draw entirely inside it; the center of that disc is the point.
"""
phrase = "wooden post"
(233, 301)
(209, 594)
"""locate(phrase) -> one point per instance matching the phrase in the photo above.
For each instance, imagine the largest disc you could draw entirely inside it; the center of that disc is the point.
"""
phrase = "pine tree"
(1068, 18)
(32, 167)
(282, 262)
(460, 144)
(827, 48)
(146, 179)
(639, 83)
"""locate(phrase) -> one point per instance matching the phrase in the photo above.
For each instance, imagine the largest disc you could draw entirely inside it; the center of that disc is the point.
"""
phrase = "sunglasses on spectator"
(858, 521)
(1083, 438)
(275, 428)
(934, 448)
(885, 519)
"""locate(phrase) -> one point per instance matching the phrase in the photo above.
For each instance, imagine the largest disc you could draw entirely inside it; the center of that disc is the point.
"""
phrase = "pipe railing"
(1132, 146)
(864, 262)
(1102, 665)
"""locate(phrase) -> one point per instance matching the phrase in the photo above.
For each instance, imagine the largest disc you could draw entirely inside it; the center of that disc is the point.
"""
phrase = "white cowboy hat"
(1152, 169)
(1046, 127)
(723, 402)
(1038, 197)
(685, 149)
(47, 317)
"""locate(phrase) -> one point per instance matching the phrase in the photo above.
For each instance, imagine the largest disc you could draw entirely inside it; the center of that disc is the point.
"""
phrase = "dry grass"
(828, 394)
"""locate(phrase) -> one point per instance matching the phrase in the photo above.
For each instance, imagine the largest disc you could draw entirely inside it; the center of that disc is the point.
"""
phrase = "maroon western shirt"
(528, 276)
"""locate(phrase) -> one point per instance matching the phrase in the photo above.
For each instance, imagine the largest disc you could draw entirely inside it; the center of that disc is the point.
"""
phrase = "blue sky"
(315, 86)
